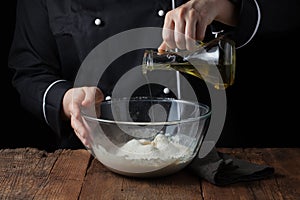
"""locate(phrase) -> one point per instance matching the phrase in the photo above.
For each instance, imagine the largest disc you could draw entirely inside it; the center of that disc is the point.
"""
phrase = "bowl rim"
(173, 122)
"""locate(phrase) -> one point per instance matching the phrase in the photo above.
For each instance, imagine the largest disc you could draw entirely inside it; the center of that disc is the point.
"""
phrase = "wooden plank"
(23, 172)
(101, 183)
(235, 191)
(28, 173)
(287, 170)
(34, 174)
(66, 178)
(181, 185)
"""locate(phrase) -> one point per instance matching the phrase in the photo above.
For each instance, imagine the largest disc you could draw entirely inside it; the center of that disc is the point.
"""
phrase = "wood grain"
(28, 173)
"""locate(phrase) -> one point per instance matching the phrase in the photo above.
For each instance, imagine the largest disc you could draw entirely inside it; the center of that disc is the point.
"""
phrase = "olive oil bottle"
(213, 62)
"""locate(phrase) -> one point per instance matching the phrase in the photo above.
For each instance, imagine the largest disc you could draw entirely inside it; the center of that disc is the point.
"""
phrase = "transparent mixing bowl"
(147, 137)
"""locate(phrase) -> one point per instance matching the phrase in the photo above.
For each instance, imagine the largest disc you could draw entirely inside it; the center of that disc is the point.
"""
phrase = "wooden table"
(28, 173)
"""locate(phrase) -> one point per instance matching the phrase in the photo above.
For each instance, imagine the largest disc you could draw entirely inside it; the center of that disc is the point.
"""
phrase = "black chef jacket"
(53, 37)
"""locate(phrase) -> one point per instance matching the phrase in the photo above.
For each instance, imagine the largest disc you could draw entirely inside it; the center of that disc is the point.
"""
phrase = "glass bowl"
(147, 137)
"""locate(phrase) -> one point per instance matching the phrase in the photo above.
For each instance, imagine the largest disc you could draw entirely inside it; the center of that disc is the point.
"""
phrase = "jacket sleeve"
(34, 60)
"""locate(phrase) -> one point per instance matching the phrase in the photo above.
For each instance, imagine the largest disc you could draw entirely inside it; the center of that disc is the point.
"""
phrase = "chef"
(53, 37)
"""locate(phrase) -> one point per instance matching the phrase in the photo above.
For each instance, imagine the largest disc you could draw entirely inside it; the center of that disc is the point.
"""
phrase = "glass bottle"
(213, 62)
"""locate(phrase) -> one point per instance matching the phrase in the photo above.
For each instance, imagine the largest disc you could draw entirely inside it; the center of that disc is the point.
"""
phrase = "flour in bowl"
(161, 148)
(140, 157)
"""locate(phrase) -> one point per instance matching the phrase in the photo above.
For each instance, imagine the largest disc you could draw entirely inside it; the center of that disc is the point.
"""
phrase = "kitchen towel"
(223, 169)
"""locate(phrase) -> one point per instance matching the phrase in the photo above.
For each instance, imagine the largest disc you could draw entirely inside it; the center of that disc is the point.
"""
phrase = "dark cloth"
(223, 169)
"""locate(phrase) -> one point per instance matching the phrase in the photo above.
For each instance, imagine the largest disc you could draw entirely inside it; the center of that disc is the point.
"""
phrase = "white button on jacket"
(161, 13)
(98, 21)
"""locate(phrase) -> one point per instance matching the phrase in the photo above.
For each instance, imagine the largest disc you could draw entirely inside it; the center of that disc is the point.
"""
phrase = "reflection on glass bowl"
(147, 137)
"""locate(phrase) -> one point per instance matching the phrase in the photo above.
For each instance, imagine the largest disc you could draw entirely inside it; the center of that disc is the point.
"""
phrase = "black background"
(263, 104)
(19, 128)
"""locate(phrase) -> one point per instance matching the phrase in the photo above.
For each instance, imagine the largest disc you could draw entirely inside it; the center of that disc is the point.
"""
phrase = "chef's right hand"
(188, 22)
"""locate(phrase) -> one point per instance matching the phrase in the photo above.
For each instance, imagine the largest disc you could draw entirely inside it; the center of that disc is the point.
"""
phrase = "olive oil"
(213, 62)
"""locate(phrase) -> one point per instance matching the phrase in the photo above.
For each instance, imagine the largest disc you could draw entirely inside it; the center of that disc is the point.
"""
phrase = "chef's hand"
(74, 100)
(188, 22)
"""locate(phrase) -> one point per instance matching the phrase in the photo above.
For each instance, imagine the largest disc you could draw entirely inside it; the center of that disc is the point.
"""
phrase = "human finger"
(80, 130)
(162, 47)
(182, 16)
(93, 95)
(190, 30)
(179, 36)
(201, 27)
(168, 30)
